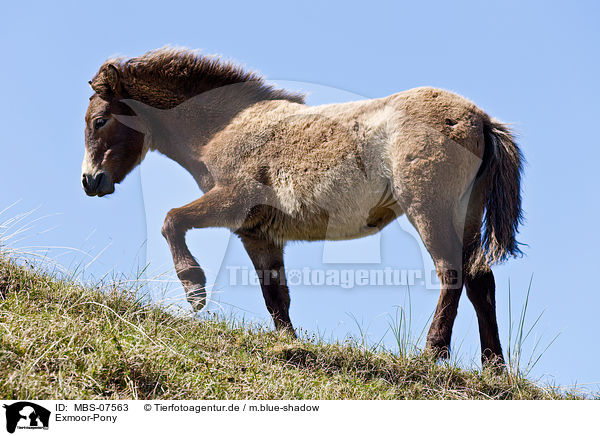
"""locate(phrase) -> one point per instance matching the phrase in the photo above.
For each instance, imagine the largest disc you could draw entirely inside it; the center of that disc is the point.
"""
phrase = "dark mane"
(167, 76)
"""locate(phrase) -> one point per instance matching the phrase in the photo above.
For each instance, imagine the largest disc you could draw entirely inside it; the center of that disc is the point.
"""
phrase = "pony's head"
(112, 149)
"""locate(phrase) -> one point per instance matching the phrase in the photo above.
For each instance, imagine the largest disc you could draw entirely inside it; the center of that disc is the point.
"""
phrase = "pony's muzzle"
(99, 184)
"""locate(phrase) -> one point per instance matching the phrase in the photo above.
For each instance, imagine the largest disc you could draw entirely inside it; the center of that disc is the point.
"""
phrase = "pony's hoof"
(494, 362)
(438, 349)
(288, 332)
(196, 296)
(440, 353)
(197, 299)
(194, 283)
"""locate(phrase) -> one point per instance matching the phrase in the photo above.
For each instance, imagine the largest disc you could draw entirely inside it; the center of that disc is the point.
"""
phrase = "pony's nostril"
(92, 182)
(99, 179)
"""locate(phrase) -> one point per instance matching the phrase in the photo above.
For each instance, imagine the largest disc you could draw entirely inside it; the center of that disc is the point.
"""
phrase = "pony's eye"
(99, 122)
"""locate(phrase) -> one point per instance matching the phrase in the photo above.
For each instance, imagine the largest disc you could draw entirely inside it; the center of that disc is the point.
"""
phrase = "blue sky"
(534, 64)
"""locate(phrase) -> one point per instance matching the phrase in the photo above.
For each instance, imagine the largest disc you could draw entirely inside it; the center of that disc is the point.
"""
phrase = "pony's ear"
(114, 79)
(107, 83)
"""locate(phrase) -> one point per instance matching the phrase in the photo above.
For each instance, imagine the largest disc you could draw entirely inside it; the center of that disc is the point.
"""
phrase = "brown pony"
(273, 170)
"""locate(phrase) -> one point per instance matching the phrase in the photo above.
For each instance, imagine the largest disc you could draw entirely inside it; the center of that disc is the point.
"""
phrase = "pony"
(273, 170)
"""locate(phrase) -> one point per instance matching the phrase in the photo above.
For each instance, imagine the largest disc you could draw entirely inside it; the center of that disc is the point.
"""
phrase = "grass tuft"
(62, 340)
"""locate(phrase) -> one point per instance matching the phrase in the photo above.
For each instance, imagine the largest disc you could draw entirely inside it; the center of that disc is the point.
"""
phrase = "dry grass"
(64, 341)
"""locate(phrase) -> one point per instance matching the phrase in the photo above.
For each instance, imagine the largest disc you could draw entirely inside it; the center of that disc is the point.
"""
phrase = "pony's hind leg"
(267, 258)
(481, 290)
(449, 271)
(479, 281)
(440, 332)
(432, 178)
(444, 246)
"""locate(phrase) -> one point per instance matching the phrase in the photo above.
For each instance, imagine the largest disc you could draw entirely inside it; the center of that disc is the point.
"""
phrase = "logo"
(26, 415)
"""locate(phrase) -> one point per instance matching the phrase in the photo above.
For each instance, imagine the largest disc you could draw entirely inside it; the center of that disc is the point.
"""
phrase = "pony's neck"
(185, 99)
(182, 132)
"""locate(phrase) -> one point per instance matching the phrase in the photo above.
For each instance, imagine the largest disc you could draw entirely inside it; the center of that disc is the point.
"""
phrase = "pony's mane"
(182, 74)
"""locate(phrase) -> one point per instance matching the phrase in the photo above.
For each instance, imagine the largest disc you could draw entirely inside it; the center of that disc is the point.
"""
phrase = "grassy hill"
(61, 340)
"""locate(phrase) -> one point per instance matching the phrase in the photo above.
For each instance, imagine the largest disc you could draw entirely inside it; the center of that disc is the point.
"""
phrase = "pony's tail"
(501, 181)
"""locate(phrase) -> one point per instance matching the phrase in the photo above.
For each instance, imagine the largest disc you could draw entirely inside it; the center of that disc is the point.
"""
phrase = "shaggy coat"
(274, 170)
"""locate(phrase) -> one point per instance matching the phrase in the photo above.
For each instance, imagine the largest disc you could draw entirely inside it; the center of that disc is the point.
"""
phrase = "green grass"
(61, 340)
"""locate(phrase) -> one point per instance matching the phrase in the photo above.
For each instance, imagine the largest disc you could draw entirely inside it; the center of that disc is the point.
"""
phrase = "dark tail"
(501, 175)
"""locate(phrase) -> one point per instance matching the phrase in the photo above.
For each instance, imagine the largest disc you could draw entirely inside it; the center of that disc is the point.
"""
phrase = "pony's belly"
(347, 206)
(341, 224)
(344, 233)
(366, 225)
(360, 212)
(300, 231)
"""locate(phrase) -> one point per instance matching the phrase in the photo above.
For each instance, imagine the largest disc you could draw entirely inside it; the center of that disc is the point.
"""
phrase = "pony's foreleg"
(267, 258)
(217, 208)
